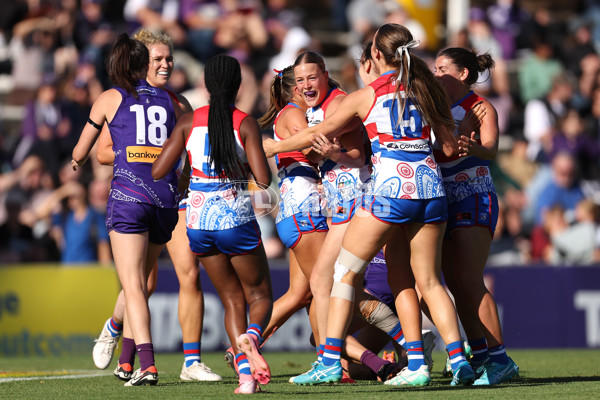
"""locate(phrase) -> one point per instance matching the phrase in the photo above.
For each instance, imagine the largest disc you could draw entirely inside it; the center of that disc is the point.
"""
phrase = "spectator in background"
(93, 35)
(493, 84)
(17, 242)
(201, 20)
(516, 164)
(564, 188)
(241, 31)
(32, 55)
(155, 15)
(88, 20)
(542, 25)
(77, 228)
(577, 45)
(480, 34)
(287, 37)
(45, 127)
(397, 14)
(571, 137)
(576, 244)
(178, 82)
(23, 238)
(538, 71)
(553, 220)
(541, 116)
(506, 18)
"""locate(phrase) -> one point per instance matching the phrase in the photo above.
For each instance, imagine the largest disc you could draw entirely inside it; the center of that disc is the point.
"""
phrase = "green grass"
(544, 374)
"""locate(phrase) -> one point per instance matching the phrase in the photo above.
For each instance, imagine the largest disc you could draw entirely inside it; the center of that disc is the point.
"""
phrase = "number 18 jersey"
(138, 130)
(403, 162)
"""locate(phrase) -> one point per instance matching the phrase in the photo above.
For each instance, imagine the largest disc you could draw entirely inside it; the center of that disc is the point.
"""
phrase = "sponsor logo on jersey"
(407, 146)
(144, 154)
(145, 90)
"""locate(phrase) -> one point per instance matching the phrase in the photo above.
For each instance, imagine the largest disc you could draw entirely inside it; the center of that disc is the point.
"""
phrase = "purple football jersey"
(138, 130)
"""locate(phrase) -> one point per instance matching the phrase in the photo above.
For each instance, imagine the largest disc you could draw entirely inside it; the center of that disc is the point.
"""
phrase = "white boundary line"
(47, 377)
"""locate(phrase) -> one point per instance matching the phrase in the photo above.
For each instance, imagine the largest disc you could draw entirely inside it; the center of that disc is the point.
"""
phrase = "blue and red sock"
(479, 349)
(243, 365)
(498, 354)
(416, 358)
(398, 335)
(456, 354)
(256, 331)
(332, 352)
(320, 352)
(114, 328)
(191, 351)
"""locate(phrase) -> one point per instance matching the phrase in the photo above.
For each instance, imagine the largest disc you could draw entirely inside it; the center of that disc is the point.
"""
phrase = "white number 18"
(157, 130)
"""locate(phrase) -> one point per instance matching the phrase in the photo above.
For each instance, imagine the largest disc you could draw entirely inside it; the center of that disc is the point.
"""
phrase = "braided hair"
(222, 76)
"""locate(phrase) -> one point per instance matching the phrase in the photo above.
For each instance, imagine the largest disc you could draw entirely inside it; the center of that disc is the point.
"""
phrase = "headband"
(400, 51)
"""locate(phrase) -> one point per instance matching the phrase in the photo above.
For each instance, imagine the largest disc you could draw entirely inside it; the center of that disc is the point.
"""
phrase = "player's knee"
(348, 267)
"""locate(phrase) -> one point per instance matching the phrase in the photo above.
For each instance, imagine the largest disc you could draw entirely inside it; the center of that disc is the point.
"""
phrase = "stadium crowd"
(545, 87)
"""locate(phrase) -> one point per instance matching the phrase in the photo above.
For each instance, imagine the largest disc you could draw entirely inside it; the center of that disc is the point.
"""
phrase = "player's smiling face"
(449, 75)
(161, 65)
(312, 83)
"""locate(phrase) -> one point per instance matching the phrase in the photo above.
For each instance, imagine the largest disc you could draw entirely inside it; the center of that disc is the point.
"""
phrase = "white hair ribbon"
(404, 49)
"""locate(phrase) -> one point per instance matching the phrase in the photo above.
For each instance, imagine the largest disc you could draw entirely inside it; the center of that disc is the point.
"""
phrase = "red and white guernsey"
(464, 176)
(403, 162)
(298, 179)
(341, 184)
(213, 203)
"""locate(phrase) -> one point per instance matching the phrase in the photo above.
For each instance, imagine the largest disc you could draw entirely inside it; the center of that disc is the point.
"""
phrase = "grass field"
(546, 374)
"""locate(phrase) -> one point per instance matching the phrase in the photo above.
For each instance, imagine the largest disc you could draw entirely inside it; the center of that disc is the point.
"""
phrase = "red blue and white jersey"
(214, 202)
(298, 179)
(403, 162)
(138, 131)
(464, 176)
(341, 184)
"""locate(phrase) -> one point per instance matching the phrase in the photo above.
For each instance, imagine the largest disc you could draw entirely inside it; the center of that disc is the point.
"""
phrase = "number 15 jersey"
(403, 163)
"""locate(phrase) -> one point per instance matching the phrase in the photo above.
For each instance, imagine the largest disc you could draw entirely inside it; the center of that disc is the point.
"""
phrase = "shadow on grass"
(367, 386)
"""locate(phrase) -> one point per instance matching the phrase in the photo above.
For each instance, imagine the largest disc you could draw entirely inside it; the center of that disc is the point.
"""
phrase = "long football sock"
(415, 355)
(479, 349)
(191, 351)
